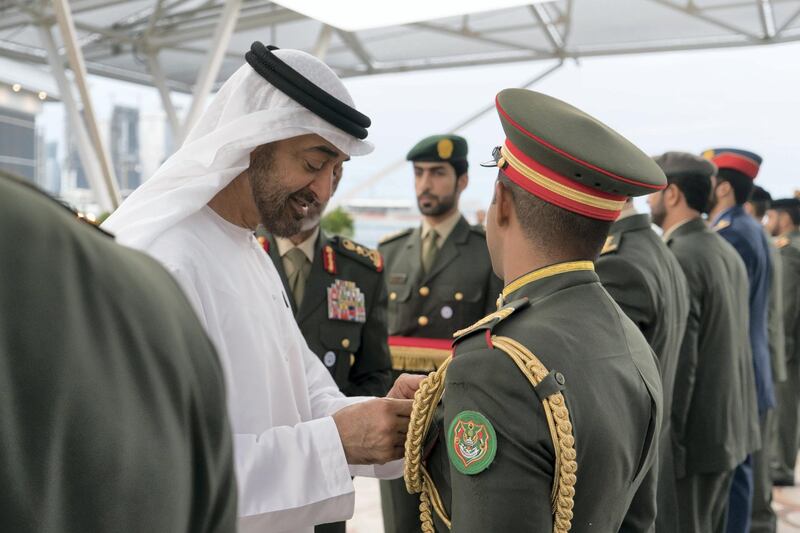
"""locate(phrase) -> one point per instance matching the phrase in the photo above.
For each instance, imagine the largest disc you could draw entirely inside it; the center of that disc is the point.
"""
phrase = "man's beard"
(279, 207)
(658, 213)
(440, 205)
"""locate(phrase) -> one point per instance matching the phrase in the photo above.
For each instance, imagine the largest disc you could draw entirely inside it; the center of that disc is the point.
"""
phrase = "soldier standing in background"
(644, 278)
(439, 278)
(751, 491)
(783, 222)
(714, 412)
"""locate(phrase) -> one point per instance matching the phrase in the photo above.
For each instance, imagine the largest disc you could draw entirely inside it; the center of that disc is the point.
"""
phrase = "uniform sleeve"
(627, 286)
(791, 303)
(775, 323)
(684, 387)
(513, 493)
(371, 374)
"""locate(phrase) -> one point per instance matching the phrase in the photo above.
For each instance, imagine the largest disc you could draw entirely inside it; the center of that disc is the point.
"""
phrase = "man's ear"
(504, 204)
(462, 181)
(672, 195)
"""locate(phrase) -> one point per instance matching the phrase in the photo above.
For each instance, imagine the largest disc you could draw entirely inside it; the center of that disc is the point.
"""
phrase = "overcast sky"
(745, 97)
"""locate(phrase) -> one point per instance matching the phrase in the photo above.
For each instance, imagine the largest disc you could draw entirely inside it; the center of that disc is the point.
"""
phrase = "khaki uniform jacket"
(714, 408)
(644, 278)
(112, 400)
(613, 392)
(789, 247)
(459, 289)
(355, 353)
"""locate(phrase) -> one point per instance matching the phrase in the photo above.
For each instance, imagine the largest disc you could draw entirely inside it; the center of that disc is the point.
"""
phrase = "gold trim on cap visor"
(558, 188)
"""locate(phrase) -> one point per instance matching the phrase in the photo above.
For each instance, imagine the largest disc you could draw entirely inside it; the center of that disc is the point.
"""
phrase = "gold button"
(393, 296)
(459, 296)
(345, 343)
(352, 359)
(424, 291)
(422, 321)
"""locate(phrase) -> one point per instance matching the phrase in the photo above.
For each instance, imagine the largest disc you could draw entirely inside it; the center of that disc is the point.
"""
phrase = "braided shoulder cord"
(557, 414)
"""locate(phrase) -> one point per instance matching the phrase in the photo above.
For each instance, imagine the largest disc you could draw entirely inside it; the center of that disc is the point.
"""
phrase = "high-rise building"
(124, 147)
(18, 142)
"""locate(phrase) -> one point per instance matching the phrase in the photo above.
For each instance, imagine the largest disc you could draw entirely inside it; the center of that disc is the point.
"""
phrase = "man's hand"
(405, 386)
(374, 431)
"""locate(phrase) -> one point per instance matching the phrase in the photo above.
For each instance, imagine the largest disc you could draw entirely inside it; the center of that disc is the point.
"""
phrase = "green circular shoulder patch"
(471, 442)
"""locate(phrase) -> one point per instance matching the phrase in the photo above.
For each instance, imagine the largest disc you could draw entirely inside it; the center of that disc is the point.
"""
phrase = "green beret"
(439, 148)
(685, 165)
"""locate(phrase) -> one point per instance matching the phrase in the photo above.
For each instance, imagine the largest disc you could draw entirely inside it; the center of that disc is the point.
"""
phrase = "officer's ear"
(462, 181)
(672, 195)
(503, 203)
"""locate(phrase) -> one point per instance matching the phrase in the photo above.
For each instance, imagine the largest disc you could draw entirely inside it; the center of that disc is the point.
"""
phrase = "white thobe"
(290, 463)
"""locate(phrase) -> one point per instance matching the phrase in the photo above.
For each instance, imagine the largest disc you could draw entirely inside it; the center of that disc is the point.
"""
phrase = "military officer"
(783, 222)
(751, 491)
(644, 278)
(440, 279)
(714, 412)
(549, 411)
(338, 297)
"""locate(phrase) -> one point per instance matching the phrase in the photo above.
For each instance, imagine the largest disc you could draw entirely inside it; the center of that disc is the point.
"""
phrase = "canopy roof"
(117, 35)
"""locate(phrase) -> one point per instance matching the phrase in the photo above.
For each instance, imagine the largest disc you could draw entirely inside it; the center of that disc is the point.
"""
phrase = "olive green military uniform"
(714, 411)
(644, 278)
(352, 348)
(458, 289)
(112, 399)
(608, 375)
(788, 392)
(548, 415)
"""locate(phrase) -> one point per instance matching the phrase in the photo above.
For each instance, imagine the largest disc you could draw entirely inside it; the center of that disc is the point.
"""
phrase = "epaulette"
(366, 255)
(721, 225)
(782, 242)
(612, 243)
(396, 235)
(488, 322)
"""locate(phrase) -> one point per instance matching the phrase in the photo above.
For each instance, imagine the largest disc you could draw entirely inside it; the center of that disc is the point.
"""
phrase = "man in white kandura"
(266, 150)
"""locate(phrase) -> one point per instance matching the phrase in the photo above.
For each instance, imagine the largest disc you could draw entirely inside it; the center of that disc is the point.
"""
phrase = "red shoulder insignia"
(329, 259)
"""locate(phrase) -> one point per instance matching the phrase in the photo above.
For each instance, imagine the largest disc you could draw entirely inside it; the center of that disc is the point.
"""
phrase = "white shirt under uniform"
(290, 463)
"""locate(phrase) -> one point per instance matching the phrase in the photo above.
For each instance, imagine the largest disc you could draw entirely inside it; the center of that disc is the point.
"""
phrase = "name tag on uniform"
(346, 302)
(397, 278)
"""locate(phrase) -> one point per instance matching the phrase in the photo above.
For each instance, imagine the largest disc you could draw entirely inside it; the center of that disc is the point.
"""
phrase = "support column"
(78, 67)
(207, 75)
(159, 81)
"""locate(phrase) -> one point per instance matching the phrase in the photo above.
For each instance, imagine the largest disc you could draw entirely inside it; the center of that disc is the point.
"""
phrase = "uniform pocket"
(338, 335)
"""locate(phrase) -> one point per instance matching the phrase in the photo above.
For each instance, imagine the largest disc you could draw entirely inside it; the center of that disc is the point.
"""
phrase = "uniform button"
(424, 291)
(393, 296)
(459, 296)
(352, 359)
(560, 378)
(345, 343)
(422, 321)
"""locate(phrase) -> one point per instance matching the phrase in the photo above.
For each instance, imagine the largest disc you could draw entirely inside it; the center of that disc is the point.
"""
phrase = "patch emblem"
(329, 359)
(471, 442)
(346, 302)
(721, 225)
(610, 245)
(445, 148)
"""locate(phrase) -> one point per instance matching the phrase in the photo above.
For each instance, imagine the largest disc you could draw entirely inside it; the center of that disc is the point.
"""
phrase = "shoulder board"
(394, 236)
(611, 244)
(365, 255)
(721, 225)
(488, 322)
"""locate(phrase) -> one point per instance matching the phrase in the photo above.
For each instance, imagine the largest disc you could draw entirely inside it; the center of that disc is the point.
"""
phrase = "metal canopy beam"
(320, 49)
(75, 58)
(693, 11)
(767, 16)
(549, 28)
(354, 44)
(208, 74)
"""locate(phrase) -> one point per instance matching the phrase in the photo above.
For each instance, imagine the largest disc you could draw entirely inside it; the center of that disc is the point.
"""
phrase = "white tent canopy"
(192, 46)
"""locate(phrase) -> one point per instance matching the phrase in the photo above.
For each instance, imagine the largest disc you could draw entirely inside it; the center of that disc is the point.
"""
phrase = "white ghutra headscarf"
(246, 112)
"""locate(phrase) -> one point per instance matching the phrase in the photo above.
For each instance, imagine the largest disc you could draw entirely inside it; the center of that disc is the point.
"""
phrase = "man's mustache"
(306, 196)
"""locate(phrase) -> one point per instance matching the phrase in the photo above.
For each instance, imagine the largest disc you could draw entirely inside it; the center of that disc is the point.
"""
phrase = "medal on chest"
(346, 302)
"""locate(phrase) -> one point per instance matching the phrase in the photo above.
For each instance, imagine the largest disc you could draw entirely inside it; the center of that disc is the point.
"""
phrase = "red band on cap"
(743, 164)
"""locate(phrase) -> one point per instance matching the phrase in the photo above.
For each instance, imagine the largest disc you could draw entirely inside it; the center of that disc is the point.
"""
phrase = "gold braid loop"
(557, 414)
(425, 401)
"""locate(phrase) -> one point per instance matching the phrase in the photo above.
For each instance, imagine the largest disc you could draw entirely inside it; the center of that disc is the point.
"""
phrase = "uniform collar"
(534, 284)
(632, 221)
(307, 246)
(690, 225)
(443, 228)
(733, 211)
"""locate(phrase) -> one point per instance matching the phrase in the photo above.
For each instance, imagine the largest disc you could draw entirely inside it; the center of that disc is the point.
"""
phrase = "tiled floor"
(368, 517)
